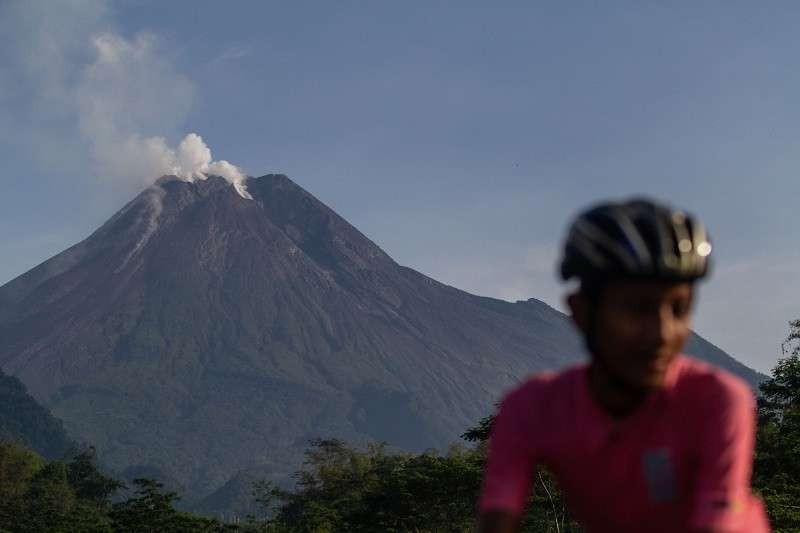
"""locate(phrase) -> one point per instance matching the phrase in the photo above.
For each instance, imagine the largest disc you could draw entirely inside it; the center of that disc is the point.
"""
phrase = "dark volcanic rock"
(200, 334)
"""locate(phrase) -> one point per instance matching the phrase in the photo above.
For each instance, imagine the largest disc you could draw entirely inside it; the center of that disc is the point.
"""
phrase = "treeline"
(73, 496)
(776, 470)
(342, 489)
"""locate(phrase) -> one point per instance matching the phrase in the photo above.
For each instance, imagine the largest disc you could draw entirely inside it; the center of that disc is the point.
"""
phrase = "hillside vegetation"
(24, 421)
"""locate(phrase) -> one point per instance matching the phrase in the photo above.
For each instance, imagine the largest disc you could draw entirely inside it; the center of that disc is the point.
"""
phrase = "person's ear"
(579, 310)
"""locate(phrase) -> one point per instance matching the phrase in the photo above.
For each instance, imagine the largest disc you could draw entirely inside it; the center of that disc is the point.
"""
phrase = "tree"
(51, 505)
(345, 489)
(18, 466)
(88, 483)
(267, 498)
(776, 473)
(480, 433)
(50, 499)
(151, 510)
(55, 497)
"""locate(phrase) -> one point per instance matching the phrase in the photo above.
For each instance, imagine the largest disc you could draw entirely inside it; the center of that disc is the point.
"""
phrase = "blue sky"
(459, 137)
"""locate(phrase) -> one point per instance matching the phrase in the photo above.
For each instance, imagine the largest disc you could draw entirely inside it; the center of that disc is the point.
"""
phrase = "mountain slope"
(24, 421)
(199, 333)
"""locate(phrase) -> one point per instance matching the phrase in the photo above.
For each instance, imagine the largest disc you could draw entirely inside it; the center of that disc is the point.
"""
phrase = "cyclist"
(642, 438)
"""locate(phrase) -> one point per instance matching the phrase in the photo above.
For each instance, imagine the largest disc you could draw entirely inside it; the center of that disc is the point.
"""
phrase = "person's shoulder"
(699, 380)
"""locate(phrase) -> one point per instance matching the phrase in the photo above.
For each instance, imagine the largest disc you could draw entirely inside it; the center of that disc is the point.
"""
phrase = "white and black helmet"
(635, 239)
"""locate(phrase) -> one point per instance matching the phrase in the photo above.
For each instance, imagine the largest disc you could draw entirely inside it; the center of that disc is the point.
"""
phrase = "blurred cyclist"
(642, 438)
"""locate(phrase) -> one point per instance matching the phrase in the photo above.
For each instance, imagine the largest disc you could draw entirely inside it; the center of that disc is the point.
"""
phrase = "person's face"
(640, 327)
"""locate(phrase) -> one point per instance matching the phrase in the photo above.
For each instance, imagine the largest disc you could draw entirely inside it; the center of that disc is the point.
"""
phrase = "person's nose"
(657, 328)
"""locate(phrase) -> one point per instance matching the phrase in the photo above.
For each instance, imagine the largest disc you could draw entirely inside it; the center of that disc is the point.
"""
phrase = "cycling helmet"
(638, 238)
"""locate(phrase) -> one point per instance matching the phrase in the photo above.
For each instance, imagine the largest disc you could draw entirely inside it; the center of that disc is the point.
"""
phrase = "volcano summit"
(198, 334)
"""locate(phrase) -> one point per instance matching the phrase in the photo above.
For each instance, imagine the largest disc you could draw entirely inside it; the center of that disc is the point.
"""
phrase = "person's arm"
(722, 500)
(511, 460)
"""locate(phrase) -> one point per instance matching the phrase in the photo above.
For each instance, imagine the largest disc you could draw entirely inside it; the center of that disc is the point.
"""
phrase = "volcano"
(199, 334)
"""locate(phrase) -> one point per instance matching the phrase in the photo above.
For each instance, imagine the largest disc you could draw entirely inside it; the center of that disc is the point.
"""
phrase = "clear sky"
(460, 137)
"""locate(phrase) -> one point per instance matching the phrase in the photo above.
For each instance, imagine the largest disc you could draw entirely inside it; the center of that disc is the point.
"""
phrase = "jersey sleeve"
(722, 499)
(511, 457)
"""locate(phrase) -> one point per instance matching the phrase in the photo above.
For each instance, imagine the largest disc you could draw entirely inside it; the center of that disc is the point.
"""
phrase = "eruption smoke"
(124, 97)
(130, 88)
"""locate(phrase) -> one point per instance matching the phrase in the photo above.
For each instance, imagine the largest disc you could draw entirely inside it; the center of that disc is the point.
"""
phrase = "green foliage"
(18, 466)
(88, 483)
(51, 505)
(49, 500)
(36, 496)
(152, 509)
(479, 433)
(547, 510)
(776, 473)
(344, 489)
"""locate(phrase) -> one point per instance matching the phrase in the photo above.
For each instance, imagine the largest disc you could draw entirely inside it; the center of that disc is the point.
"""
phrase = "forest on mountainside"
(24, 421)
(345, 489)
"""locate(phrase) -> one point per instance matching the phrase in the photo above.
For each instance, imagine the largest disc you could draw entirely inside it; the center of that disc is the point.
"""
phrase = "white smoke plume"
(89, 92)
(130, 88)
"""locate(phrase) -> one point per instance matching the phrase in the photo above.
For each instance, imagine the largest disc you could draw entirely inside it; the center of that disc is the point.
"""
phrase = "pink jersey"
(681, 461)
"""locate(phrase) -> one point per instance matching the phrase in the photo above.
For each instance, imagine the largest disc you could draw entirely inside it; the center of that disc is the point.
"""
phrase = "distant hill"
(235, 498)
(24, 421)
(202, 336)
